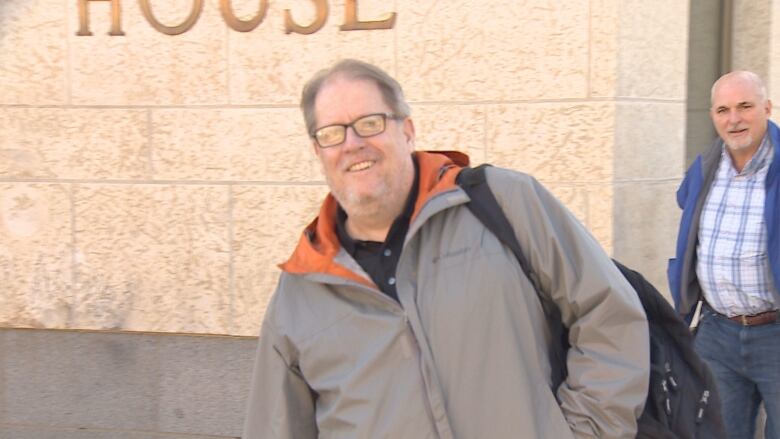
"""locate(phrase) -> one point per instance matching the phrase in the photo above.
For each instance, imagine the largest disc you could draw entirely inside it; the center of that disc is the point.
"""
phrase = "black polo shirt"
(380, 259)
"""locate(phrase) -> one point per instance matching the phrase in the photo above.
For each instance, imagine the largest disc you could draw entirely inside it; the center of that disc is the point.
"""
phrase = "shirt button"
(388, 252)
(391, 281)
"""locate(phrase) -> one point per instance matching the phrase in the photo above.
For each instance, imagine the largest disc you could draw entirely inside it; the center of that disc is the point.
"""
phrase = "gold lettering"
(351, 21)
(226, 9)
(322, 16)
(197, 7)
(116, 15)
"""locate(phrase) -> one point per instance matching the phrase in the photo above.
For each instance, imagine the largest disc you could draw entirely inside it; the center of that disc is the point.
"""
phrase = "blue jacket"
(681, 271)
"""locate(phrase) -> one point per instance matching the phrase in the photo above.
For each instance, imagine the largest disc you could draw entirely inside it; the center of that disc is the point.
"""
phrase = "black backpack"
(682, 401)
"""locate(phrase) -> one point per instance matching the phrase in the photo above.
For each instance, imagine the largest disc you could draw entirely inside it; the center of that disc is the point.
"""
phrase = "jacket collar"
(319, 243)
(774, 136)
(711, 158)
(770, 144)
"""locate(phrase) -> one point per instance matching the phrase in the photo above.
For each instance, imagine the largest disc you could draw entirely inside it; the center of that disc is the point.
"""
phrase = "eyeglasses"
(365, 126)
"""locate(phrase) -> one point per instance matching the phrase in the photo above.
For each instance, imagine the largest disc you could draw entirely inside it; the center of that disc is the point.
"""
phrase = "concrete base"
(90, 385)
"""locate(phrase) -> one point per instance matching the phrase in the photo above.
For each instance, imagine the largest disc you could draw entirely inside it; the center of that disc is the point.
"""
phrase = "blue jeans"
(746, 363)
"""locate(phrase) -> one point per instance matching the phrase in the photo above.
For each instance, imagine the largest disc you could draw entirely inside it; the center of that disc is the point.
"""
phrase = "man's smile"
(361, 166)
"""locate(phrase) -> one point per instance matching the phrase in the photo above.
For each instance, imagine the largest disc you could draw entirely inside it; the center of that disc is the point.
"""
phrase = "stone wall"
(151, 182)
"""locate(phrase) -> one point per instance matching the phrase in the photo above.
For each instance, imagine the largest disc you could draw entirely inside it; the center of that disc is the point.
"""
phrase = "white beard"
(360, 205)
(744, 144)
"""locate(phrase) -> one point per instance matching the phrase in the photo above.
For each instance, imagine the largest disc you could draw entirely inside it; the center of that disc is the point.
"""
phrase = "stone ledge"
(90, 384)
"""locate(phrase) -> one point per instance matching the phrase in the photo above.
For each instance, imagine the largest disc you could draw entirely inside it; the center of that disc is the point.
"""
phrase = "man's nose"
(734, 117)
(351, 139)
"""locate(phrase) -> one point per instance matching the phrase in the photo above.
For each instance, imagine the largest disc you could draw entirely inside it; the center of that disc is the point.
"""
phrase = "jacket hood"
(319, 243)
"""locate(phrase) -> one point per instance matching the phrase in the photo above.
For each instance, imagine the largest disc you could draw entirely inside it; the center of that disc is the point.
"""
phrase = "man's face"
(739, 114)
(364, 174)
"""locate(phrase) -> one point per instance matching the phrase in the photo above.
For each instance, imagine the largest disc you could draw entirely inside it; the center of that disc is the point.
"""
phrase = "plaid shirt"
(732, 261)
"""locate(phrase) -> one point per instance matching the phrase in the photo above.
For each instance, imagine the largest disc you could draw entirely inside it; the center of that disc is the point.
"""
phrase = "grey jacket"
(464, 355)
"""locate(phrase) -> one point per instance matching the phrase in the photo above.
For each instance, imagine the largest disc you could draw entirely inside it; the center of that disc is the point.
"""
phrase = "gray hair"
(744, 75)
(391, 90)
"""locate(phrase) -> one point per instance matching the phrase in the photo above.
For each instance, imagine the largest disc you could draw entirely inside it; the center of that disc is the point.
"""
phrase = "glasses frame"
(385, 117)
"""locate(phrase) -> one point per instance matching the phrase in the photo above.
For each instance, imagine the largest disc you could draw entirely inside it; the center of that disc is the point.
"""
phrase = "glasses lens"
(370, 125)
(330, 136)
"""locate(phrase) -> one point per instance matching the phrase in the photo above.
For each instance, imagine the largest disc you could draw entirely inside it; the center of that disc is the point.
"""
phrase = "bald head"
(747, 78)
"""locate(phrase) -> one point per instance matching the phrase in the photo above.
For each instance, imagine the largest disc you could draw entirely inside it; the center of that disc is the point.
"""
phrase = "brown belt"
(763, 318)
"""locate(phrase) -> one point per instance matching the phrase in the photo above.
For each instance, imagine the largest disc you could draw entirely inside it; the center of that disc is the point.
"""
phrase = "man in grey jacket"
(399, 315)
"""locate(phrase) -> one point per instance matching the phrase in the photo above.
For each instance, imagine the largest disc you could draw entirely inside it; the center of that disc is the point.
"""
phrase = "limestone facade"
(152, 182)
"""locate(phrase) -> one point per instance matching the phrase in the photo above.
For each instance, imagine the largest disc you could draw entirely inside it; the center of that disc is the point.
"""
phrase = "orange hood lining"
(319, 242)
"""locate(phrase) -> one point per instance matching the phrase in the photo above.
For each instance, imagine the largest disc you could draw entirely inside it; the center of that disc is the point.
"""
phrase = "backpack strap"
(485, 207)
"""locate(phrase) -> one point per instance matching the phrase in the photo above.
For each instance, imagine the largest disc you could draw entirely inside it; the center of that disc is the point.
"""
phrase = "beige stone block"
(601, 214)
(268, 221)
(35, 255)
(451, 127)
(145, 66)
(773, 79)
(554, 142)
(269, 66)
(591, 205)
(493, 50)
(152, 258)
(74, 143)
(649, 140)
(750, 47)
(233, 144)
(604, 22)
(653, 49)
(646, 221)
(33, 52)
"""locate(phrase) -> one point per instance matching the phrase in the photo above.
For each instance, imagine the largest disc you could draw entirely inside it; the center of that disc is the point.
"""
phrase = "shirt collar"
(757, 162)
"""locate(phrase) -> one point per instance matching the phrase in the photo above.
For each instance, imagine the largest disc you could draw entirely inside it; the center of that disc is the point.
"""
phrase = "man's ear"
(768, 107)
(315, 147)
(409, 132)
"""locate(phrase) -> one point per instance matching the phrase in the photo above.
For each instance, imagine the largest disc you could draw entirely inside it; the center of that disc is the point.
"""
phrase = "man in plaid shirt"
(728, 253)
